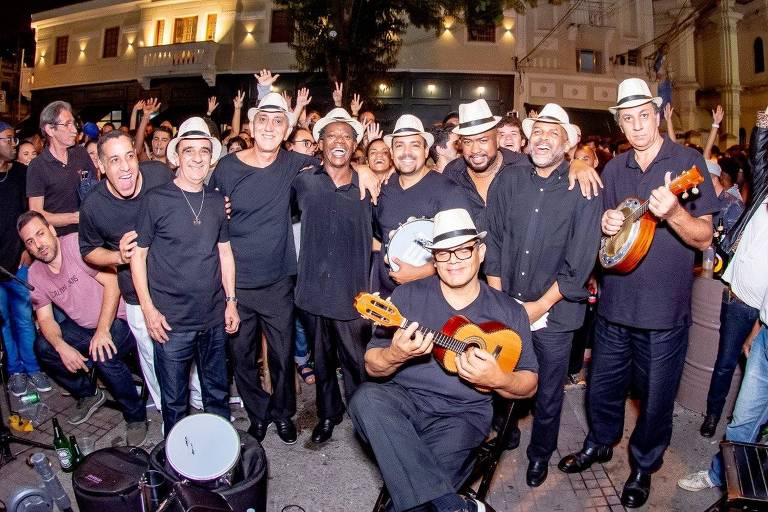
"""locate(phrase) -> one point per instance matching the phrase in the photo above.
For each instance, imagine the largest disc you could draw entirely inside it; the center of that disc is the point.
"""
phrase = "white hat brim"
(173, 155)
(480, 128)
(455, 241)
(289, 115)
(636, 103)
(570, 129)
(325, 121)
(428, 138)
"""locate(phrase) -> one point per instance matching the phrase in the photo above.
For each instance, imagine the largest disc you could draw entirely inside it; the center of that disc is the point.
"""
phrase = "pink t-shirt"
(74, 289)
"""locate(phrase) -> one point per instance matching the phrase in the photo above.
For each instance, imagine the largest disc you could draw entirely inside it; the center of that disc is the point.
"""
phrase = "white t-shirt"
(748, 270)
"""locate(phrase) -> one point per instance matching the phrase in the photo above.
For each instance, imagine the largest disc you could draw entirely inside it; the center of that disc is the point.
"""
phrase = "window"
(483, 32)
(111, 40)
(185, 30)
(589, 61)
(159, 32)
(759, 55)
(210, 28)
(282, 27)
(62, 48)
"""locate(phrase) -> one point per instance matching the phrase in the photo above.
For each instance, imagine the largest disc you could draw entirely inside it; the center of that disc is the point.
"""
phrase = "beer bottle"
(77, 456)
(63, 450)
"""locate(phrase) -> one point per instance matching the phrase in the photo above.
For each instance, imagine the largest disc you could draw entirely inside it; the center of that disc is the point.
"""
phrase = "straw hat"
(475, 117)
(453, 228)
(634, 92)
(408, 124)
(338, 115)
(273, 102)
(193, 128)
(554, 114)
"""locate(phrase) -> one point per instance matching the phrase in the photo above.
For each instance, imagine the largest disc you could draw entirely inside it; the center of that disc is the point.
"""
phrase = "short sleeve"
(39, 298)
(71, 249)
(88, 236)
(145, 226)
(35, 179)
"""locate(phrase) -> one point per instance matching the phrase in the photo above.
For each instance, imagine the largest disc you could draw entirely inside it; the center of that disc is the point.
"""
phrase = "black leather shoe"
(581, 460)
(537, 473)
(709, 425)
(636, 489)
(259, 430)
(513, 438)
(286, 431)
(324, 430)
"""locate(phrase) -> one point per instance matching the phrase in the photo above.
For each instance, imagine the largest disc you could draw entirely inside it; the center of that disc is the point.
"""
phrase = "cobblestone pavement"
(340, 477)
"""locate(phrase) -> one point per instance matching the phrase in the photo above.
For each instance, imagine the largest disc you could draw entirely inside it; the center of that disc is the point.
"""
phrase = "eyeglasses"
(69, 124)
(306, 143)
(462, 253)
(13, 141)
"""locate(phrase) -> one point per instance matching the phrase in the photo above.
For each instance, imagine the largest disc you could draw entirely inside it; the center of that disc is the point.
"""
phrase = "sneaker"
(17, 384)
(86, 407)
(696, 482)
(40, 381)
(135, 433)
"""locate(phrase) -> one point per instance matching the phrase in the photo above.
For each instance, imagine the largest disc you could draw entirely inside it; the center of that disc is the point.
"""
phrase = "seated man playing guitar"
(421, 421)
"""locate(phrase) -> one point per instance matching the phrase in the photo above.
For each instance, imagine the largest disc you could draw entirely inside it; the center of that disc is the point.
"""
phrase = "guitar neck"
(639, 212)
(440, 339)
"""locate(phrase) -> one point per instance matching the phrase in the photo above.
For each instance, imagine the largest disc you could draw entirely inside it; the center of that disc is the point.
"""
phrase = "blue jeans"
(301, 346)
(751, 410)
(18, 326)
(173, 362)
(113, 372)
(736, 321)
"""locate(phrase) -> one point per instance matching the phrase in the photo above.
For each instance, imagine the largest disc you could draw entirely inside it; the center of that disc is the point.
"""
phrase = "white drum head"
(202, 447)
(407, 243)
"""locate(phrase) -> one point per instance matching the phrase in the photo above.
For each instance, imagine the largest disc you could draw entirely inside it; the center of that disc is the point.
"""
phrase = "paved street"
(339, 477)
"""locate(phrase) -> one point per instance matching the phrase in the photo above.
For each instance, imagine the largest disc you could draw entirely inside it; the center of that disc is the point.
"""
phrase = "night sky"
(16, 32)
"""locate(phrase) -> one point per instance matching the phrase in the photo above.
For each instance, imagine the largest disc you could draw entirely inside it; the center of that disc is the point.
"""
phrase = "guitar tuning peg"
(378, 294)
(685, 195)
(695, 190)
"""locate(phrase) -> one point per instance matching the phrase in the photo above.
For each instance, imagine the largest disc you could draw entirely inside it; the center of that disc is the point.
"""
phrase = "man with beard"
(641, 332)
(443, 151)
(334, 261)
(258, 182)
(108, 219)
(541, 249)
(417, 192)
(92, 337)
(184, 274)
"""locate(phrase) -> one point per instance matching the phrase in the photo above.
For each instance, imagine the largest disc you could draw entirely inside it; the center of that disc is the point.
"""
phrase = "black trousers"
(268, 309)
(336, 341)
(553, 350)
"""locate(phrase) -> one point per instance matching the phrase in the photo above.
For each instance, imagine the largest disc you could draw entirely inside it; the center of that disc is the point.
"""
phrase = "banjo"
(408, 243)
(623, 251)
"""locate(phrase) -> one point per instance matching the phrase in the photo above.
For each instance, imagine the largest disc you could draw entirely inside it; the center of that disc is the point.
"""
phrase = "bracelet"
(231, 299)
(715, 125)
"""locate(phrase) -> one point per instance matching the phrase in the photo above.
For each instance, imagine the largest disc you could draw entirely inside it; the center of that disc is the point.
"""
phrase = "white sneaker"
(696, 482)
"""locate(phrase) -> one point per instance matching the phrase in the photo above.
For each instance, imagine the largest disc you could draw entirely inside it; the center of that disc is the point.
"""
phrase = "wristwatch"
(231, 299)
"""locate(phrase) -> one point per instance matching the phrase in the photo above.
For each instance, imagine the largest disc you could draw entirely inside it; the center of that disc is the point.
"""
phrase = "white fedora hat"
(408, 124)
(338, 115)
(475, 117)
(554, 114)
(634, 92)
(272, 102)
(452, 228)
(193, 128)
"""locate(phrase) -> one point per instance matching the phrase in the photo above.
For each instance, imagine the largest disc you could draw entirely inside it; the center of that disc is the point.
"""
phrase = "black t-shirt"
(183, 266)
(432, 194)
(13, 202)
(58, 183)
(260, 224)
(433, 389)
(104, 219)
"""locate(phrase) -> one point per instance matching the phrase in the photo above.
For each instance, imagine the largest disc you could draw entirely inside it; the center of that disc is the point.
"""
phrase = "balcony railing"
(182, 59)
(593, 13)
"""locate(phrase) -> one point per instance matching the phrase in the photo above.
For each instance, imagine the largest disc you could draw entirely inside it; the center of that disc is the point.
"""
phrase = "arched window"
(759, 55)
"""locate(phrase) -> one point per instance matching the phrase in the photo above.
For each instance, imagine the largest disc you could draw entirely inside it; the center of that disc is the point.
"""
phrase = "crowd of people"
(181, 247)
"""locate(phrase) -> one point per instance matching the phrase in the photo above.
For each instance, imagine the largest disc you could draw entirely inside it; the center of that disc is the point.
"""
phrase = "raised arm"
(237, 103)
(668, 110)
(148, 108)
(717, 118)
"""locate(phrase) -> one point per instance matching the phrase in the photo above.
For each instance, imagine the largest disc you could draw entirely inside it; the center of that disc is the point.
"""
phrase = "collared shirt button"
(527, 252)
(519, 294)
(541, 190)
(536, 210)
(522, 273)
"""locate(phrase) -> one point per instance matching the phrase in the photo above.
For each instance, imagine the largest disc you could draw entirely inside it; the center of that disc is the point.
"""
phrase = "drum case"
(108, 480)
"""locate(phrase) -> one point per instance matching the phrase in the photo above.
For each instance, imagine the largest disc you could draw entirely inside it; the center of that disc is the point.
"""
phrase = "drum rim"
(212, 476)
(388, 243)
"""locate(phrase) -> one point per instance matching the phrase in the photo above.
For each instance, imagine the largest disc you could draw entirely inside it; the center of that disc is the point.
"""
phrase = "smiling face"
(510, 137)
(456, 273)
(586, 154)
(480, 150)
(160, 140)
(7, 146)
(640, 125)
(269, 129)
(548, 144)
(337, 142)
(409, 154)
(194, 160)
(40, 240)
(121, 166)
(27, 153)
(379, 156)
(64, 132)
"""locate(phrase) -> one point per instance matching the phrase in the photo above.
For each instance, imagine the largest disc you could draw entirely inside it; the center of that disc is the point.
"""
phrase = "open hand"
(718, 114)
(338, 93)
(237, 102)
(266, 78)
(355, 105)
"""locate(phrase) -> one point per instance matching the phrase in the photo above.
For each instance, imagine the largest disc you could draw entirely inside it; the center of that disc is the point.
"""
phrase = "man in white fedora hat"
(422, 422)
(258, 182)
(416, 191)
(644, 315)
(184, 274)
(542, 243)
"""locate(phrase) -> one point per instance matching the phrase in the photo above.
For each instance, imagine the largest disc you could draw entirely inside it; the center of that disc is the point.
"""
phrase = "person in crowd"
(107, 127)
(422, 422)
(541, 250)
(91, 132)
(54, 177)
(93, 337)
(445, 148)
(451, 118)
(18, 327)
(302, 141)
(236, 144)
(575, 145)
(26, 154)
(509, 133)
(731, 205)
(108, 222)
(183, 271)
(640, 325)
(417, 192)
(93, 152)
(587, 155)
(711, 151)
(334, 265)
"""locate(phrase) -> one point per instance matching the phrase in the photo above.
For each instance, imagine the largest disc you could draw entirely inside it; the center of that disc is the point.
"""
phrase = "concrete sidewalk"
(340, 477)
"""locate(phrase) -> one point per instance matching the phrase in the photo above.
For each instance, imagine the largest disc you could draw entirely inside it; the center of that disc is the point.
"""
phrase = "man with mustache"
(417, 192)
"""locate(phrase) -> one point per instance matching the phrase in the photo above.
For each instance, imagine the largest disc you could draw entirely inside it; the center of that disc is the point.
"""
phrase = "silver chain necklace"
(197, 220)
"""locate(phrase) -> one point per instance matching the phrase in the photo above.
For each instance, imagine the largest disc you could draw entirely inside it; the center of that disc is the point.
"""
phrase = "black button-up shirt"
(336, 236)
(540, 232)
(456, 170)
(656, 294)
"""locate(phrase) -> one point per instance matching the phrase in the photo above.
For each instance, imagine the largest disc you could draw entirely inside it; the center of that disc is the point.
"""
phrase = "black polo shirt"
(657, 293)
(104, 219)
(13, 202)
(336, 235)
(432, 194)
(183, 265)
(457, 171)
(57, 183)
(260, 224)
(540, 232)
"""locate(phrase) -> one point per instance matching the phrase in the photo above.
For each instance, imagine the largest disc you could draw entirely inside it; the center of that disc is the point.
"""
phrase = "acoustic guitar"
(623, 251)
(457, 335)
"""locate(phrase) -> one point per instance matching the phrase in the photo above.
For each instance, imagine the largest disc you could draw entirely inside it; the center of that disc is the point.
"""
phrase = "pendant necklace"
(197, 220)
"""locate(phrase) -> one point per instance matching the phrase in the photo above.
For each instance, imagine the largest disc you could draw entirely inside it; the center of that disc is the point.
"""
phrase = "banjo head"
(613, 249)
(407, 243)
(202, 447)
